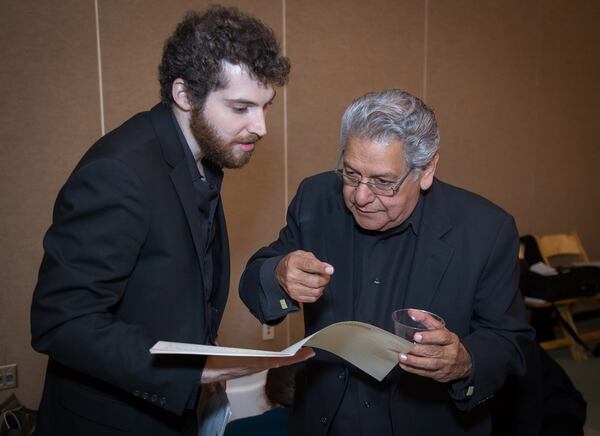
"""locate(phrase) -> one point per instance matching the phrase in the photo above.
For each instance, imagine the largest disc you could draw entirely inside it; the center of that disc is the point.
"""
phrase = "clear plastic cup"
(405, 325)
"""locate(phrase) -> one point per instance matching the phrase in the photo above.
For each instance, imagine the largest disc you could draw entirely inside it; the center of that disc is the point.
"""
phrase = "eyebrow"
(376, 176)
(249, 102)
(241, 101)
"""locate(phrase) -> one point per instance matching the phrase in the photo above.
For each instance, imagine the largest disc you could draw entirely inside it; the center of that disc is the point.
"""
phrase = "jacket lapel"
(339, 230)
(180, 175)
(432, 254)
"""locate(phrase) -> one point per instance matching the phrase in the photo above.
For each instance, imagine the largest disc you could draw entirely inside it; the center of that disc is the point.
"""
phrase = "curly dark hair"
(203, 40)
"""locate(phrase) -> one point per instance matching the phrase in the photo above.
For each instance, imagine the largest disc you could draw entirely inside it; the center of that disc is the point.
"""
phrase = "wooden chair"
(561, 246)
(565, 249)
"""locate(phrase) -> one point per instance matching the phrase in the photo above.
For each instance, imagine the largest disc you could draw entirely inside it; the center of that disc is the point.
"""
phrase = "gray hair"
(394, 114)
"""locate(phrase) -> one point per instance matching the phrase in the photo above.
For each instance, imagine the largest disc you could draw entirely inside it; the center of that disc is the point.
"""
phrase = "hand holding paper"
(370, 348)
(219, 368)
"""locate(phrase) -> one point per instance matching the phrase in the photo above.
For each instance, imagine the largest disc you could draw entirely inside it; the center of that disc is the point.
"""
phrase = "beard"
(215, 149)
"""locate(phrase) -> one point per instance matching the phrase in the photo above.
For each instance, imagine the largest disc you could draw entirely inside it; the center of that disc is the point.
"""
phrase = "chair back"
(562, 245)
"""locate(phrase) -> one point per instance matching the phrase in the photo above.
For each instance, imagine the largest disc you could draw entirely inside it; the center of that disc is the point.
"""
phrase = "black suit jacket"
(122, 269)
(465, 269)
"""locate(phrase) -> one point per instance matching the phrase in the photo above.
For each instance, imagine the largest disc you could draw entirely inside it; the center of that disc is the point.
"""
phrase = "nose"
(258, 125)
(363, 195)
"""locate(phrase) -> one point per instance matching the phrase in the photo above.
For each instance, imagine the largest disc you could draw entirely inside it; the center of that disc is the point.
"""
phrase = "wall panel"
(49, 83)
(481, 83)
(341, 50)
(567, 153)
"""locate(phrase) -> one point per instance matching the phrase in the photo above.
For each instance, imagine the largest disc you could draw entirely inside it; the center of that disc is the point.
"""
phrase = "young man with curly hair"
(138, 248)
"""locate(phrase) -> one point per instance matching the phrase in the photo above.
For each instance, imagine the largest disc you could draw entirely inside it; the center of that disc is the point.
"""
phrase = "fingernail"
(403, 357)
(418, 337)
(329, 270)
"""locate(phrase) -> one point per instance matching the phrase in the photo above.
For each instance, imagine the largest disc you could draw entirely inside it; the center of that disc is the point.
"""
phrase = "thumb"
(429, 320)
(312, 264)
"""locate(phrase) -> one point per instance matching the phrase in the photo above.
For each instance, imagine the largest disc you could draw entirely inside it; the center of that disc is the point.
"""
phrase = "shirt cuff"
(275, 302)
(462, 390)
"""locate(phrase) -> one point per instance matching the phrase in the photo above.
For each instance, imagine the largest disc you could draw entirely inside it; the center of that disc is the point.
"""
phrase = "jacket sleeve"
(498, 324)
(259, 290)
(100, 222)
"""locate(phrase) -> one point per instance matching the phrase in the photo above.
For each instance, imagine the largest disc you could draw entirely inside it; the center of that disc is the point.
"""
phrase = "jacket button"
(145, 395)
(323, 420)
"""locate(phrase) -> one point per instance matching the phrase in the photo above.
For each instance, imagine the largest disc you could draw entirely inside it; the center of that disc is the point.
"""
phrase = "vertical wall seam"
(425, 48)
(536, 116)
(99, 53)
(285, 144)
(285, 114)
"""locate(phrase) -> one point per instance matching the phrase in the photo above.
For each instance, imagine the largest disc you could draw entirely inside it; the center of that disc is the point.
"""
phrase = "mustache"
(248, 139)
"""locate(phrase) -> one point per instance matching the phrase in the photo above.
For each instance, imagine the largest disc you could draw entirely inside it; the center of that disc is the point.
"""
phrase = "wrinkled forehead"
(385, 155)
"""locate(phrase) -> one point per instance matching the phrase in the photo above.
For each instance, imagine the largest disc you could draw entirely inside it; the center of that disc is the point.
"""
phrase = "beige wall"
(514, 85)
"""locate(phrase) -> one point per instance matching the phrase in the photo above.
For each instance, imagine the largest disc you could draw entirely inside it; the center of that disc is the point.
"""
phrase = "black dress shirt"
(382, 263)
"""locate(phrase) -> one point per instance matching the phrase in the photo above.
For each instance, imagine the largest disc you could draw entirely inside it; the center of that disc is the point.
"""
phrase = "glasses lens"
(354, 180)
(378, 190)
(348, 179)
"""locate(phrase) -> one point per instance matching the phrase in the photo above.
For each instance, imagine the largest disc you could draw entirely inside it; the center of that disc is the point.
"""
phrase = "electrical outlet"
(8, 376)
(268, 332)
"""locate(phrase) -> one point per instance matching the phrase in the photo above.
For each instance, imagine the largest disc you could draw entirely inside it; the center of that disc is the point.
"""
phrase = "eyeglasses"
(377, 187)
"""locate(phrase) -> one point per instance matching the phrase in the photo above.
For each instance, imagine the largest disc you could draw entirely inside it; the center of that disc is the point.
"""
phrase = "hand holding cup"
(438, 353)
(409, 322)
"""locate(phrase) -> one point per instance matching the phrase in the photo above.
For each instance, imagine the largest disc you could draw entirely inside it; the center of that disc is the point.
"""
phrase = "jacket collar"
(166, 132)
(432, 253)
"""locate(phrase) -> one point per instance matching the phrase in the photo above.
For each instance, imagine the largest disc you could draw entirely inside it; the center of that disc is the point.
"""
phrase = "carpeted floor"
(586, 378)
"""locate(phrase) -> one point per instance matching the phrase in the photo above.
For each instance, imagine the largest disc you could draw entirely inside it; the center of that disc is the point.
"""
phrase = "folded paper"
(373, 350)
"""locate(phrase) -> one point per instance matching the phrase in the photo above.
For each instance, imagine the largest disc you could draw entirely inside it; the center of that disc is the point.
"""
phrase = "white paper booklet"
(370, 348)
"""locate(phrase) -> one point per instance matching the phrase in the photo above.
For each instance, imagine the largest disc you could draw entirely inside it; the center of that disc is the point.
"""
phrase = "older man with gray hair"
(381, 233)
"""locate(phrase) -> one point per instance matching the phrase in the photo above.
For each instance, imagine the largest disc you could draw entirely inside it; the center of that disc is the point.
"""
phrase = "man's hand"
(303, 276)
(222, 368)
(438, 353)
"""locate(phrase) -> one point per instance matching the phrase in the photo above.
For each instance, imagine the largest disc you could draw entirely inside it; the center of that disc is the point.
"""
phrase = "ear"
(428, 173)
(180, 95)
